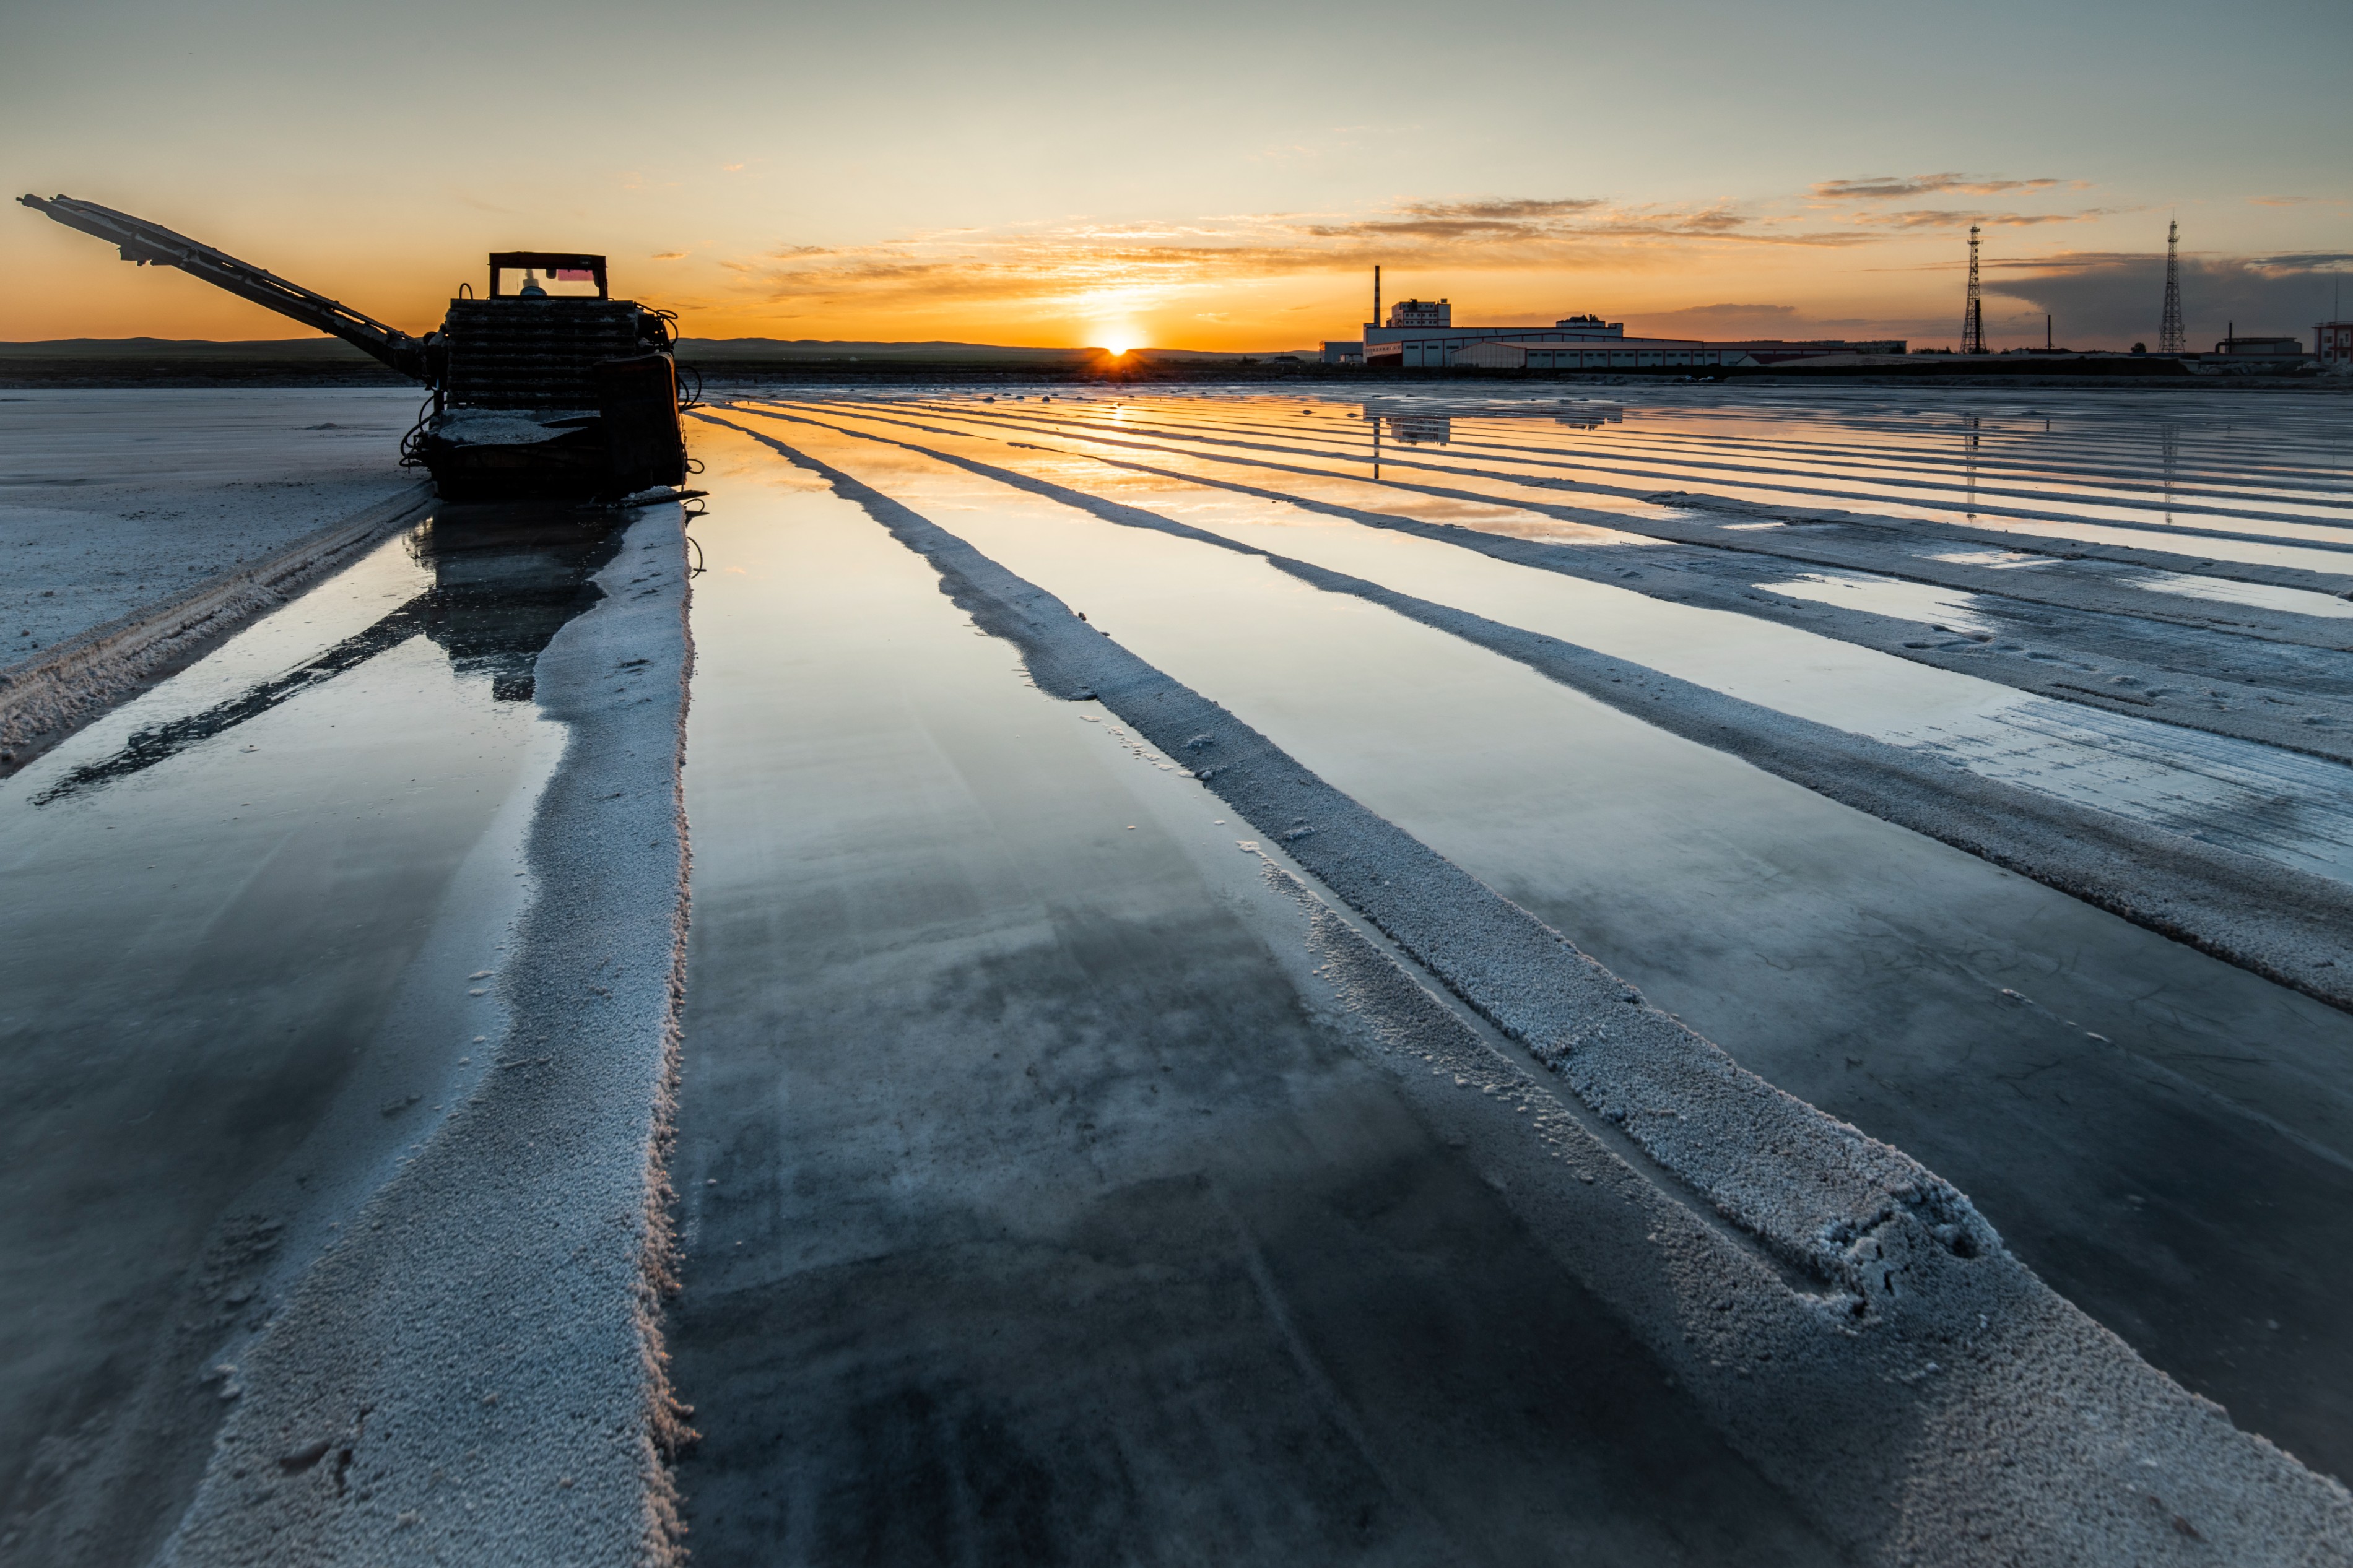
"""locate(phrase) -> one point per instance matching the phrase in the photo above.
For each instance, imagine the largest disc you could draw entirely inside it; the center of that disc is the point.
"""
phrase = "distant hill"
(330, 362)
(710, 350)
(718, 351)
(323, 349)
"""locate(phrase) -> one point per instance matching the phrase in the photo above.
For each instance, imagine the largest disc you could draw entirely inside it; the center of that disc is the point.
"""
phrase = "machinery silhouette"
(534, 394)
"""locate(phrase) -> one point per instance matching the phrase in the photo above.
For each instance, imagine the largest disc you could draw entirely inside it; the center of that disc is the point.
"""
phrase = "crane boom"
(146, 242)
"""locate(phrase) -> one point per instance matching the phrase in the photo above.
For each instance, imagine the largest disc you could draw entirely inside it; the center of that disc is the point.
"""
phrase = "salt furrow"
(1987, 438)
(1844, 485)
(2329, 575)
(2096, 445)
(2277, 898)
(2280, 530)
(1020, 1143)
(1849, 961)
(46, 698)
(2320, 568)
(1785, 459)
(2152, 516)
(1930, 1400)
(2293, 699)
(1609, 504)
(474, 1373)
(2205, 790)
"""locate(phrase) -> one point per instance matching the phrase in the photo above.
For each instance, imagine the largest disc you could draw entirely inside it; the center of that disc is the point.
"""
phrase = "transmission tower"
(1973, 313)
(2171, 337)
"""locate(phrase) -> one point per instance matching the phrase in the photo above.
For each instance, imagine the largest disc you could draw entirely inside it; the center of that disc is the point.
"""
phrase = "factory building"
(1434, 345)
(2238, 347)
(1420, 334)
(1524, 350)
(1623, 354)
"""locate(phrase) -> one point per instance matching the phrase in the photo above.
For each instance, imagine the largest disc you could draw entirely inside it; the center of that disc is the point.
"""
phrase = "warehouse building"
(1523, 352)
(1420, 334)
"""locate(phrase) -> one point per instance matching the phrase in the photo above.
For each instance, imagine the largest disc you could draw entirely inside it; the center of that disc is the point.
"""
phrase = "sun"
(1117, 349)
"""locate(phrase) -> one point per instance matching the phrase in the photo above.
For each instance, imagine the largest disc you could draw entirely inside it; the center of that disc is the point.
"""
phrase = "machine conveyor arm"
(146, 242)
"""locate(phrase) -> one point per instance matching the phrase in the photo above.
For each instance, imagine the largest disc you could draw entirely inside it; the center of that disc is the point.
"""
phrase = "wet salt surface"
(2053, 1061)
(1016, 1167)
(1886, 597)
(239, 981)
(2291, 809)
(113, 499)
(2296, 600)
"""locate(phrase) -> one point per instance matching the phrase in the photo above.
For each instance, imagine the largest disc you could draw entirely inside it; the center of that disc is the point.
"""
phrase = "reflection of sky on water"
(2286, 808)
(2296, 601)
(1947, 607)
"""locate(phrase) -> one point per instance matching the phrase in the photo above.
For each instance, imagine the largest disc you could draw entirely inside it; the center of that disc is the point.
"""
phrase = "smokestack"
(1376, 296)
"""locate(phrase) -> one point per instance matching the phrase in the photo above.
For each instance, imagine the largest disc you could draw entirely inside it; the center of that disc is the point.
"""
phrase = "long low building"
(1553, 352)
(1625, 354)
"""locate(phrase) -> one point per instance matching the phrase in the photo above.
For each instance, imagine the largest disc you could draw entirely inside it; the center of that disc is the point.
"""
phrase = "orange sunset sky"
(1213, 175)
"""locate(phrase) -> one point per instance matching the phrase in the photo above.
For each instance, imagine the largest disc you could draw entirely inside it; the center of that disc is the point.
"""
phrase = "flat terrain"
(112, 499)
(1690, 976)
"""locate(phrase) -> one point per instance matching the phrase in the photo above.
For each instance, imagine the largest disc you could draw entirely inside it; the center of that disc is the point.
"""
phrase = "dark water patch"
(217, 972)
(505, 581)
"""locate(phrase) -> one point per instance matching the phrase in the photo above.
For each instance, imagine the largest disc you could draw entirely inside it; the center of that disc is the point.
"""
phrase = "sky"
(1209, 176)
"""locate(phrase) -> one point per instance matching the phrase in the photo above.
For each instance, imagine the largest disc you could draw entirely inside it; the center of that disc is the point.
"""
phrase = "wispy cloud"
(1886, 187)
(1081, 267)
(1924, 217)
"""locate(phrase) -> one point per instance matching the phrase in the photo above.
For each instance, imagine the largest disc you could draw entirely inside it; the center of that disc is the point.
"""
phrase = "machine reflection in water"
(505, 580)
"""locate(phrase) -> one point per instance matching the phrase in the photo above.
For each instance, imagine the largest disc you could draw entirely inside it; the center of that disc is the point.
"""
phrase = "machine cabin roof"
(548, 261)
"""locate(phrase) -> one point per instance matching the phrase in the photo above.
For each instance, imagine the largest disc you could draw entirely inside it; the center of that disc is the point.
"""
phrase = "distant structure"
(2265, 347)
(1420, 334)
(2333, 343)
(2172, 338)
(1973, 313)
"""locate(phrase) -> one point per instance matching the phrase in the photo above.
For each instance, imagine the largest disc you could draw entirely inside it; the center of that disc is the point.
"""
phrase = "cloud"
(1547, 224)
(2115, 298)
(2279, 201)
(1080, 267)
(668, 256)
(1925, 217)
(1883, 187)
(1517, 208)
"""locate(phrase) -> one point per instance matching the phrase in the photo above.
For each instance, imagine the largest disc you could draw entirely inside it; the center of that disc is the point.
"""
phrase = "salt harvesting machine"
(534, 394)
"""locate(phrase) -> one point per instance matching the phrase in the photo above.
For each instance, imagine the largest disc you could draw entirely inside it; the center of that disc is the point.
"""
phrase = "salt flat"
(1664, 976)
(112, 500)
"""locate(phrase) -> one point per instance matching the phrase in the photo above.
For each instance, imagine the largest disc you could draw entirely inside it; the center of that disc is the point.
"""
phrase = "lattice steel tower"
(1973, 313)
(2171, 337)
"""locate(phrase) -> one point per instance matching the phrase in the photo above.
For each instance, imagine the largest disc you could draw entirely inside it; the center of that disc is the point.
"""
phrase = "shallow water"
(2166, 1138)
(2283, 805)
(252, 919)
(1017, 1170)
